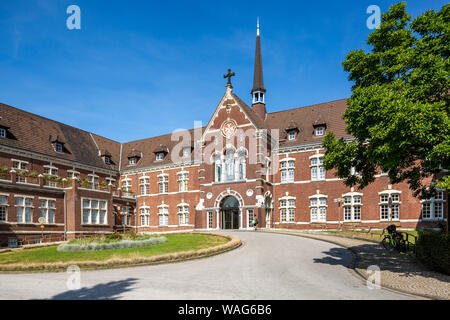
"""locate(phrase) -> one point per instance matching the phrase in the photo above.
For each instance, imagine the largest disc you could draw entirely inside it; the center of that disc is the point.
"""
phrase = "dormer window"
(186, 151)
(2, 133)
(319, 131)
(133, 157)
(108, 160)
(291, 135)
(59, 147)
(160, 156)
(58, 144)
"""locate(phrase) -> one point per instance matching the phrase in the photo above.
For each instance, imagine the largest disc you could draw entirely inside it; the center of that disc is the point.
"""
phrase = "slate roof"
(31, 132)
(35, 133)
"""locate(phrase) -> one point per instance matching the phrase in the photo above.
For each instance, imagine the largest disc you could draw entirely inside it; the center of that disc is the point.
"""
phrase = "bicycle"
(393, 240)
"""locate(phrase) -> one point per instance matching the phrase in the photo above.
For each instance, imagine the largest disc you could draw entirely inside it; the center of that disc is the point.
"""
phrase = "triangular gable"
(232, 102)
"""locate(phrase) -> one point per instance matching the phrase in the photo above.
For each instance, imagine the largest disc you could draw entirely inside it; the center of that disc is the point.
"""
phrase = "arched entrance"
(229, 208)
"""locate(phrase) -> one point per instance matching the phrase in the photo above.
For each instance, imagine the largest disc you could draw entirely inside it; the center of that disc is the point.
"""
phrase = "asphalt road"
(268, 266)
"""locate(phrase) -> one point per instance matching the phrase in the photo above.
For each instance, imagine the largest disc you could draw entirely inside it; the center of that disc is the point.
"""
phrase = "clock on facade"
(228, 128)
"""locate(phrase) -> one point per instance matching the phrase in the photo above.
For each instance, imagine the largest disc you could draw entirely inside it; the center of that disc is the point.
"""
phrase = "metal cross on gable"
(229, 75)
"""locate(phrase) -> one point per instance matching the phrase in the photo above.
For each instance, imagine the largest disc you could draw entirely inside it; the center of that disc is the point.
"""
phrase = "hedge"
(124, 244)
(433, 250)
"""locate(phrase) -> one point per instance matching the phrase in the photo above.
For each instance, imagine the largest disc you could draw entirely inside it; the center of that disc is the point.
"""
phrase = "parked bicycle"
(393, 240)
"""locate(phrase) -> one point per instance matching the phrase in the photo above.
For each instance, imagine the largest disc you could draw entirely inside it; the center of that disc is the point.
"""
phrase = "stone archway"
(233, 210)
(230, 213)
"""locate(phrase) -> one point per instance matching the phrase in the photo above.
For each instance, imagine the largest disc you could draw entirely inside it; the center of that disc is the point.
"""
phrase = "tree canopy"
(398, 113)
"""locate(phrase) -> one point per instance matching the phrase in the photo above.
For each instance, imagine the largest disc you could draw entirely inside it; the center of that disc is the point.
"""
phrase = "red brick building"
(58, 182)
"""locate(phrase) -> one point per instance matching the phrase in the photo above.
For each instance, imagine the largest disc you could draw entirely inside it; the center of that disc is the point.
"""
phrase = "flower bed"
(114, 245)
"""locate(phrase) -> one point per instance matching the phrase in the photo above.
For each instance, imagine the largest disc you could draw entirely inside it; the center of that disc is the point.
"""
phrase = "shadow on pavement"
(335, 256)
(111, 290)
(374, 254)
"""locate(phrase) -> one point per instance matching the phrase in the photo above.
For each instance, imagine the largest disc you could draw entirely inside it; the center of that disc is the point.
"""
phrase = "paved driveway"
(268, 266)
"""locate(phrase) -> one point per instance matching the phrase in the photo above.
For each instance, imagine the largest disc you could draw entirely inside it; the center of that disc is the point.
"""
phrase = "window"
(93, 180)
(163, 183)
(50, 171)
(13, 243)
(287, 170)
(19, 166)
(107, 160)
(126, 215)
(319, 131)
(132, 160)
(291, 135)
(144, 185)
(59, 147)
(433, 208)
(183, 178)
(210, 220)
(2, 133)
(250, 216)
(352, 207)
(317, 168)
(231, 166)
(24, 209)
(159, 156)
(126, 185)
(72, 174)
(145, 216)
(47, 210)
(318, 208)
(3, 208)
(287, 209)
(186, 151)
(94, 211)
(183, 214)
(389, 201)
(163, 215)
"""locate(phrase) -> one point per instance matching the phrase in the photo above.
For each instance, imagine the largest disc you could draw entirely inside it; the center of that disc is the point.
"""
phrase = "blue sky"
(138, 69)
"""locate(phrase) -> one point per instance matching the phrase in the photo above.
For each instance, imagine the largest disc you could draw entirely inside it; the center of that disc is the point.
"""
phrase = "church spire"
(258, 91)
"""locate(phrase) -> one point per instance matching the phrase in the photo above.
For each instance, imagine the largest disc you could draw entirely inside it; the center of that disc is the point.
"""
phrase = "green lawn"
(175, 243)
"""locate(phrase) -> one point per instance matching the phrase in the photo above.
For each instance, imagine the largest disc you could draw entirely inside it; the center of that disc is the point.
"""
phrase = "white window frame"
(159, 156)
(20, 165)
(45, 209)
(318, 172)
(183, 178)
(209, 219)
(434, 202)
(126, 212)
(24, 206)
(384, 205)
(2, 133)
(163, 215)
(145, 216)
(287, 209)
(287, 169)
(144, 185)
(318, 204)
(319, 131)
(250, 215)
(50, 170)
(126, 184)
(4, 208)
(163, 183)
(291, 135)
(90, 208)
(183, 214)
(353, 205)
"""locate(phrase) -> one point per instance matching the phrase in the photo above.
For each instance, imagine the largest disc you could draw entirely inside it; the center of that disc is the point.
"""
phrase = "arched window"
(229, 165)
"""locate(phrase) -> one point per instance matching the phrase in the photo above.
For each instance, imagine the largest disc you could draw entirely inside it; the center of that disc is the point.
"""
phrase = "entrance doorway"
(230, 213)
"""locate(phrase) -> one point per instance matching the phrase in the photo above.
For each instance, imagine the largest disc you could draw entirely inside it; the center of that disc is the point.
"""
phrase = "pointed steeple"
(258, 91)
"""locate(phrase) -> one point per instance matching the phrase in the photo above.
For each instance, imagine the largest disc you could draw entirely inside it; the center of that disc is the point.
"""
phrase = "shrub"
(433, 250)
(98, 246)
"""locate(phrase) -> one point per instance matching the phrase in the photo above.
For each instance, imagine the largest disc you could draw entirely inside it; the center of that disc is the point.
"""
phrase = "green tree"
(398, 113)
